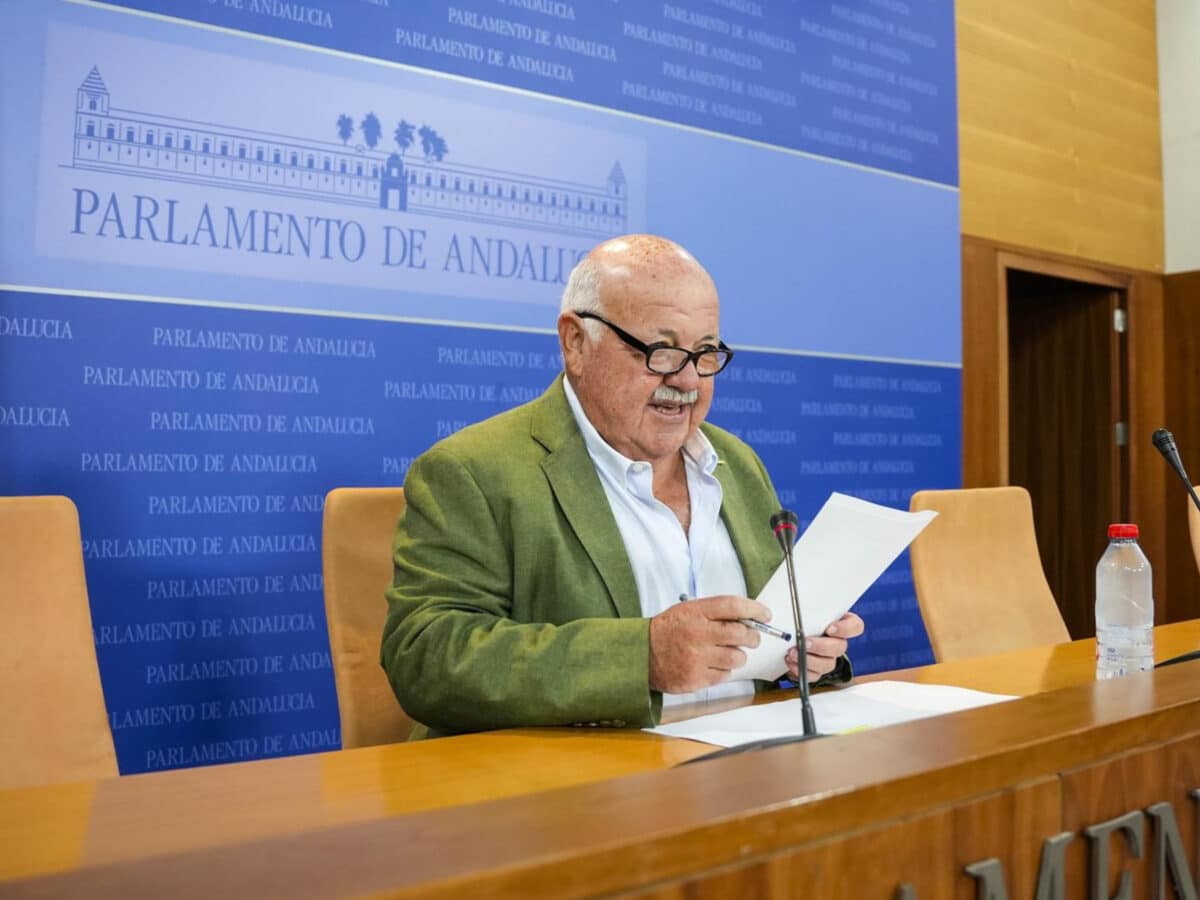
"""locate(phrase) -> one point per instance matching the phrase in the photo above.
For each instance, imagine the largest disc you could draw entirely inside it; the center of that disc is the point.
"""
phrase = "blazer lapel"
(577, 489)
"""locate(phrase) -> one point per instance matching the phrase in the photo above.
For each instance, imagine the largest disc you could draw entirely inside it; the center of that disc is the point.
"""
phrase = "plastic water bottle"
(1124, 606)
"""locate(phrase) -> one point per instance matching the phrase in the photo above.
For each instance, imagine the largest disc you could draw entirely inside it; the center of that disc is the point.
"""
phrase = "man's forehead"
(648, 295)
(679, 316)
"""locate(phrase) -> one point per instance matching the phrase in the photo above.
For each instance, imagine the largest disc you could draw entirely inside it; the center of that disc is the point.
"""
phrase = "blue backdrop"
(271, 248)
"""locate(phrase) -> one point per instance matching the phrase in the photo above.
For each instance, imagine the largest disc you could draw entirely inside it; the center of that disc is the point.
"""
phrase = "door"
(1068, 396)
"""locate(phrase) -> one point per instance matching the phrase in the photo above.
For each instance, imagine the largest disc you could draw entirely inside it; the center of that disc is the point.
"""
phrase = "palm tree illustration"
(433, 145)
(439, 147)
(403, 135)
(345, 127)
(371, 129)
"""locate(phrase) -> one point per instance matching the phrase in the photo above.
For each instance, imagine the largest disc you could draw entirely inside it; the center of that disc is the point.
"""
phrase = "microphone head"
(786, 526)
(785, 518)
(1164, 441)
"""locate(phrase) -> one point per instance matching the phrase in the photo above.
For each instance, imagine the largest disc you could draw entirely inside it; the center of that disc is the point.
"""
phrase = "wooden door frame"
(985, 267)
(1007, 261)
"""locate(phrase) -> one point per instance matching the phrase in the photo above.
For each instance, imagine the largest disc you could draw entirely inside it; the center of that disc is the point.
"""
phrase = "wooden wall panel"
(1147, 471)
(1181, 361)
(985, 368)
(1059, 141)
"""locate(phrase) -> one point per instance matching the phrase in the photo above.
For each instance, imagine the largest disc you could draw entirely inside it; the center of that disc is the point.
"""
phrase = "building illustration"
(168, 148)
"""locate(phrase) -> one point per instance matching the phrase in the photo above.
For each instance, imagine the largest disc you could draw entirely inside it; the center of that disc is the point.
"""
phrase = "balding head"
(626, 259)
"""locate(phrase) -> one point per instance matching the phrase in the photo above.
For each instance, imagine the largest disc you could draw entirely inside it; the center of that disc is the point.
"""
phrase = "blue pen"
(758, 626)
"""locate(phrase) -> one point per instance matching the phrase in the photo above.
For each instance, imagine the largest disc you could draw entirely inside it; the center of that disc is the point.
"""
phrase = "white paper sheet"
(841, 553)
(836, 712)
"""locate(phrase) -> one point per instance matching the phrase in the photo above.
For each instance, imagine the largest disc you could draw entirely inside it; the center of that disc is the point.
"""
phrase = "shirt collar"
(698, 451)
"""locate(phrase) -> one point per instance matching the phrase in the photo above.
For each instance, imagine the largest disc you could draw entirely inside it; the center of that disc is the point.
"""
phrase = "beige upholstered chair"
(51, 704)
(356, 551)
(1194, 528)
(978, 575)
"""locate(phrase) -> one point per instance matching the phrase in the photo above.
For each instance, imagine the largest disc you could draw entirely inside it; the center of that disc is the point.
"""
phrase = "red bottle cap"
(1122, 531)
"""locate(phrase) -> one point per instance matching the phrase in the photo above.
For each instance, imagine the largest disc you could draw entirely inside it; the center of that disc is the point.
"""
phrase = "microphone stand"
(784, 524)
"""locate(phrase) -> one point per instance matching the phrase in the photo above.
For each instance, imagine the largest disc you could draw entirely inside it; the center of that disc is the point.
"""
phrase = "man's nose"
(686, 379)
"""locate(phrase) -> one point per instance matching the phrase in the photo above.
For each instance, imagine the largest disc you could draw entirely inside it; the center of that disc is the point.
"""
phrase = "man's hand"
(823, 652)
(696, 644)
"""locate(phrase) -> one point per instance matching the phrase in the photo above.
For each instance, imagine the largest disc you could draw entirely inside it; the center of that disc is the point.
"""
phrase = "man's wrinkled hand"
(822, 652)
(697, 643)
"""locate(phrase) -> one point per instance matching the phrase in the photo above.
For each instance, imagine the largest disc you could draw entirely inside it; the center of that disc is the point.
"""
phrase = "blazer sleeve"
(456, 658)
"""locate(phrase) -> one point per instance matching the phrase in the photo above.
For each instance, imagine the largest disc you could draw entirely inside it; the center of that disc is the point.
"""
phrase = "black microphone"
(785, 525)
(1164, 441)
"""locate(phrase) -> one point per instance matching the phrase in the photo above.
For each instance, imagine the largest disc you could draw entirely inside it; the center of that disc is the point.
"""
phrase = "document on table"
(849, 709)
(841, 553)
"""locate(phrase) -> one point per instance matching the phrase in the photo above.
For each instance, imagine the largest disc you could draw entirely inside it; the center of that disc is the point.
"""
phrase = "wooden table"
(576, 811)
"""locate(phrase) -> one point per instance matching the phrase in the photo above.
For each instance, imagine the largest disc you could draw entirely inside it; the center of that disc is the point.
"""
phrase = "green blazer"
(513, 601)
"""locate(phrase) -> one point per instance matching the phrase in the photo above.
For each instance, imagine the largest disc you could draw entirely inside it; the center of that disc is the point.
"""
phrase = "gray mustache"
(666, 394)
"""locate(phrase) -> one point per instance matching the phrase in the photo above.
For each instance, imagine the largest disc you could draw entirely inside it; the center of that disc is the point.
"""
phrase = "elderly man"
(544, 555)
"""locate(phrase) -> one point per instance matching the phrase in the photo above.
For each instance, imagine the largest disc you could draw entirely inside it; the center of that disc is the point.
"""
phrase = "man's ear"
(571, 338)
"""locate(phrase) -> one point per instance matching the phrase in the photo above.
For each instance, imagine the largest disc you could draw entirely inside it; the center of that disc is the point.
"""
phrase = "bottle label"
(1121, 649)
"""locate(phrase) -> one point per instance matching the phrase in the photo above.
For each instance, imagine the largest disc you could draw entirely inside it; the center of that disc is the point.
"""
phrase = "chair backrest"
(51, 703)
(1194, 528)
(978, 575)
(356, 551)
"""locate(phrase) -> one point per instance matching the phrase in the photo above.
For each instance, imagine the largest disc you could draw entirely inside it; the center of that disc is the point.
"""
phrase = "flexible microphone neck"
(1164, 442)
(785, 524)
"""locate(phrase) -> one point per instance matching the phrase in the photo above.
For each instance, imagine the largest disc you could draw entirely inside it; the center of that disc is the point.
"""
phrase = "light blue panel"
(783, 233)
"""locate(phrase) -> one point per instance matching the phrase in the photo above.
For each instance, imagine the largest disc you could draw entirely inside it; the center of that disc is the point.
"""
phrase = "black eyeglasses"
(665, 359)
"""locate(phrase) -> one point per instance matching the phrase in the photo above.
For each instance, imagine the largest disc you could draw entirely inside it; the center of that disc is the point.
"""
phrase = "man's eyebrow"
(671, 334)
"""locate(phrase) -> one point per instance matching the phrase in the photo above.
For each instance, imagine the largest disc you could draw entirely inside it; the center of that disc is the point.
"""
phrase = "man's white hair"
(582, 294)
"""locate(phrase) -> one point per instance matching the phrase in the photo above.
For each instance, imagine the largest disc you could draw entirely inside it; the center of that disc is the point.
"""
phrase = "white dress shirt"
(666, 562)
